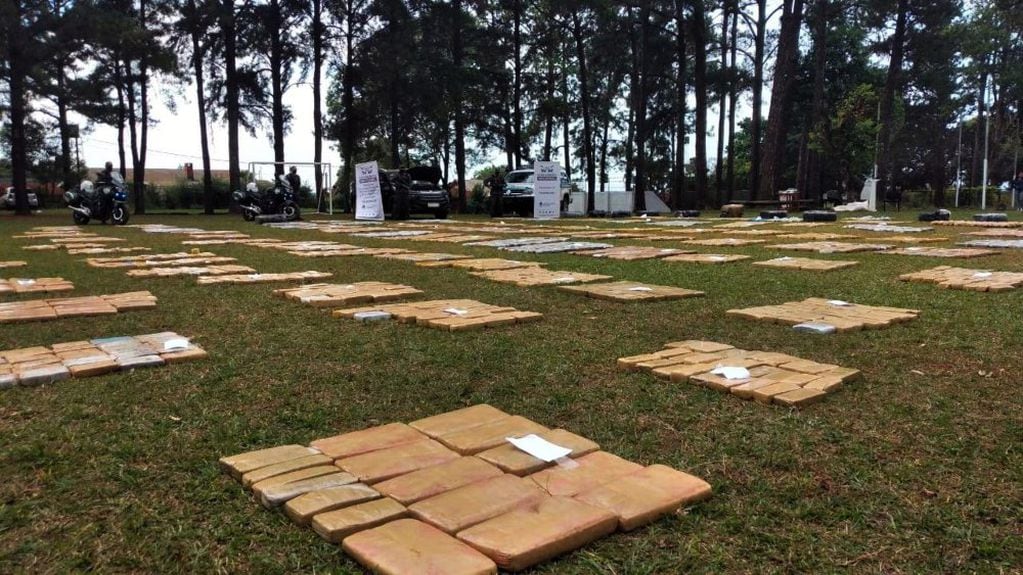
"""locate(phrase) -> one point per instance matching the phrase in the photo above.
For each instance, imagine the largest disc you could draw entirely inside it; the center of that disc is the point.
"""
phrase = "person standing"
(1017, 190)
(293, 180)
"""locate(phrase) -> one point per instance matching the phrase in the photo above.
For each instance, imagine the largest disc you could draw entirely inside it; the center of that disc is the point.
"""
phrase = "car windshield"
(520, 177)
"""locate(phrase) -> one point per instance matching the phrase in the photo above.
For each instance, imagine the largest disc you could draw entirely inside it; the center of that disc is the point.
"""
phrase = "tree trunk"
(584, 100)
(133, 132)
(785, 70)
(760, 38)
(139, 173)
(700, 84)
(277, 85)
(808, 181)
(348, 100)
(517, 86)
(17, 75)
(394, 136)
(63, 129)
(733, 89)
(719, 165)
(227, 25)
(456, 60)
(630, 131)
(639, 199)
(198, 55)
(888, 97)
(317, 33)
(678, 179)
(122, 113)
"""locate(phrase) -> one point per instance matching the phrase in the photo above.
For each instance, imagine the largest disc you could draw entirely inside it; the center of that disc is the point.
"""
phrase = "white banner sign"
(546, 190)
(369, 205)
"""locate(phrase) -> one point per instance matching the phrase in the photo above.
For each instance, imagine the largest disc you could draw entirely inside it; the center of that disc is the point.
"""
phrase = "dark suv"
(421, 185)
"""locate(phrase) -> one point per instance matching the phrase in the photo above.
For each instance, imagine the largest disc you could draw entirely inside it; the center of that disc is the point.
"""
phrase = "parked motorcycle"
(278, 200)
(104, 200)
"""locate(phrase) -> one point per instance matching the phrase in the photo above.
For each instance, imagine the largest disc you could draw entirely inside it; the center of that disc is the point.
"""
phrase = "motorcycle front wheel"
(290, 211)
(80, 218)
(119, 216)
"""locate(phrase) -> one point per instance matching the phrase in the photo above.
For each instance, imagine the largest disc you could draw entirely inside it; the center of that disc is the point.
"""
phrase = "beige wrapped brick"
(681, 373)
(238, 465)
(639, 498)
(466, 506)
(767, 393)
(458, 420)
(517, 462)
(410, 547)
(384, 464)
(293, 475)
(335, 525)
(590, 471)
(302, 508)
(367, 440)
(799, 397)
(93, 368)
(746, 390)
(298, 464)
(482, 437)
(418, 485)
(825, 383)
(274, 495)
(525, 537)
(184, 355)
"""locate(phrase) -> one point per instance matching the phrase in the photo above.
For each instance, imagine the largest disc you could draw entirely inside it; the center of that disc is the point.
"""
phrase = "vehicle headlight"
(238, 196)
(70, 196)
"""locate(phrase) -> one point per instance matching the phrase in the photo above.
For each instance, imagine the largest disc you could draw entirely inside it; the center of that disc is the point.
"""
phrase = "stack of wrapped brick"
(448, 494)
(253, 278)
(44, 309)
(480, 264)
(773, 377)
(446, 315)
(967, 279)
(809, 264)
(328, 295)
(824, 247)
(160, 260)
(536, 276)
(843, 316)
(34, 285)
(932, 252)
(632, 291)
(39, 365)
(215, 270)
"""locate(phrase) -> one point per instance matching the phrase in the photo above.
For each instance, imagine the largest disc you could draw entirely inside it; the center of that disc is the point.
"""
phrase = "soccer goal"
(307, 171)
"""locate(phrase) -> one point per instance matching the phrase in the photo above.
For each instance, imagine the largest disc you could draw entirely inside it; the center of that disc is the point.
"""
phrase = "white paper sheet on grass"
(539, 447)
(731, 372)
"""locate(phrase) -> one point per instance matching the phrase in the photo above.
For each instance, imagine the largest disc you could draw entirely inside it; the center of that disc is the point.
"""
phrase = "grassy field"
(917, 468)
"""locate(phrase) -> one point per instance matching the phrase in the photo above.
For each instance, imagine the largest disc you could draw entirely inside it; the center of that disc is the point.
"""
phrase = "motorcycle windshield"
(117, 179)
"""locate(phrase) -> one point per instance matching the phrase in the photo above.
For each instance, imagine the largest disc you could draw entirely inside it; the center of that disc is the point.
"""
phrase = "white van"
(518, 192)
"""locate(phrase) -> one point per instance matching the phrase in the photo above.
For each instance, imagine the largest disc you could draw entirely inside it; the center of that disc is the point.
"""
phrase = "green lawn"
(917, 468)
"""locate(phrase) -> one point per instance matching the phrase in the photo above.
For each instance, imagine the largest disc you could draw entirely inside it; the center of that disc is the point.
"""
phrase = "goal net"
(307, 172)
